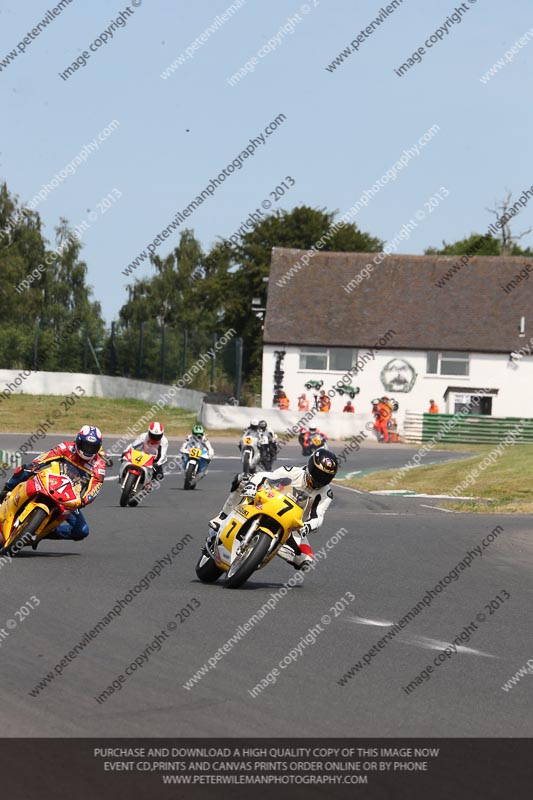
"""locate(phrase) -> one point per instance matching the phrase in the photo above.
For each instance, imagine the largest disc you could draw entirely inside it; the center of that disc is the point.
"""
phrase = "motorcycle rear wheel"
(266, 459)
(33, 522)
(127, 490)
(247, 563)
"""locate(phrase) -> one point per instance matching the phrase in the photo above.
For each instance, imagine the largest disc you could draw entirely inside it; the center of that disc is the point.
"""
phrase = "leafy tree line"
(168, 318)
(42, 322)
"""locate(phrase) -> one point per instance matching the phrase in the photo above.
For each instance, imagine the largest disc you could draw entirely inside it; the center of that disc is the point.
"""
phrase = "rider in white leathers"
(153, 443)
(312, 480)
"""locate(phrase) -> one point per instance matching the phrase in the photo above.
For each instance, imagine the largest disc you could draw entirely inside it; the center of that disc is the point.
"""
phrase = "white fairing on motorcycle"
(195, 461)
(249, 445)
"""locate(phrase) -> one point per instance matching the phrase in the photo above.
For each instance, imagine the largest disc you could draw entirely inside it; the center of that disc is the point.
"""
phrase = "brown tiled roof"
(471, 312)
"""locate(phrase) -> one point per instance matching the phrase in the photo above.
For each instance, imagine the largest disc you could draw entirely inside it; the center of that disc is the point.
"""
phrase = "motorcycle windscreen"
(79, 477)
(300, 496)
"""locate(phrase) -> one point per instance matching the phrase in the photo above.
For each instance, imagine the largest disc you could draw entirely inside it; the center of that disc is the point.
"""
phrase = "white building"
(414, 328)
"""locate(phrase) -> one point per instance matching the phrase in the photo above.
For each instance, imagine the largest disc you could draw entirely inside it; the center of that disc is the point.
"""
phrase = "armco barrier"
(470, 429)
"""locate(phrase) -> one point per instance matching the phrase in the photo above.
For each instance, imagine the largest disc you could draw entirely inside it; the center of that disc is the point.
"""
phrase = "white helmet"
(155, 432)
(254, 423)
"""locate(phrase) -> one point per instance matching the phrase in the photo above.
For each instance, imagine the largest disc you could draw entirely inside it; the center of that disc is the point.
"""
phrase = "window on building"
(328, 359)
(314, 358)
(341, 358)
(448, 362)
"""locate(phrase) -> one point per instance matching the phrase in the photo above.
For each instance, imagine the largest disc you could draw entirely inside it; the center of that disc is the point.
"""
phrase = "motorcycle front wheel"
(33, 522)
(248, 560)
(127, 491)
(189, 476)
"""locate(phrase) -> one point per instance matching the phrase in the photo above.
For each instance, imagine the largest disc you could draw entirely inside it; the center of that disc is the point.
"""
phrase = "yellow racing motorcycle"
(34, 508)
(252, 534)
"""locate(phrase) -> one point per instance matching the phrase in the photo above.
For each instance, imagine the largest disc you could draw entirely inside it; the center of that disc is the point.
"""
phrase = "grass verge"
(502, 487)
(23, 413)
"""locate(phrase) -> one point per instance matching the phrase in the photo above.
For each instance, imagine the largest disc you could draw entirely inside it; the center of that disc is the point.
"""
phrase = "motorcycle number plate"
(248, 440)
(195, 452)
(317, 440)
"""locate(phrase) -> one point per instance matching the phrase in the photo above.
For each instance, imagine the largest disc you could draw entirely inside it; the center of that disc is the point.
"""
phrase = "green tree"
(481, 245)
(476, 242)
(68, 314)
(42, 288)
(245, 266)
(183, 296)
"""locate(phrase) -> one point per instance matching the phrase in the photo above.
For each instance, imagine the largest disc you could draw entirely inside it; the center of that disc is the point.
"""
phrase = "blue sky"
(343, 130)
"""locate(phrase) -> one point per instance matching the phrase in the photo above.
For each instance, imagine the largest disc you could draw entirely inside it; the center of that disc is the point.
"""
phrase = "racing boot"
(299, 556)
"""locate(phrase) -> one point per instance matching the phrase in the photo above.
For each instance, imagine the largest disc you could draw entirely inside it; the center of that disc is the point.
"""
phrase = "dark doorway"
(485, 405)
(473, 405)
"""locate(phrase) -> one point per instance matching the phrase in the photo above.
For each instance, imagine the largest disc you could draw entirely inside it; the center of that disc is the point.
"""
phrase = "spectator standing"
(303, 403)
(324, 403)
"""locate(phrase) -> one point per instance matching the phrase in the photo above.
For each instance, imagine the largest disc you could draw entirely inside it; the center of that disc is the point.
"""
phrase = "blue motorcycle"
(195, 462)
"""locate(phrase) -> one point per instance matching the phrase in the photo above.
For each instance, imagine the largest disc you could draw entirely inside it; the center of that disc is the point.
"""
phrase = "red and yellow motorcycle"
(252, 534)
(135, 474)
(36, 507)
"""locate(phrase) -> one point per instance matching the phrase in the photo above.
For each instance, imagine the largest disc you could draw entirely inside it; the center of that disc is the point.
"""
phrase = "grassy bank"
(504, 486)
(24, 413)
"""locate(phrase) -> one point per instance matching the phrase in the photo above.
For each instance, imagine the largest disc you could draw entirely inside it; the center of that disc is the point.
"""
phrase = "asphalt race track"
(394, 549)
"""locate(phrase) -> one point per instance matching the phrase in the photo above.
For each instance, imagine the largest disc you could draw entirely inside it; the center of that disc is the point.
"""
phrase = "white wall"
(334, 425)
(515, 397)
(62, 383)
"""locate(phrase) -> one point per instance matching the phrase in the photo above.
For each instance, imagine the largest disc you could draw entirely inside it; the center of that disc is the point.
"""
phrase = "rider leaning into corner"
(83, 454)
(153, 443)
(313, 480)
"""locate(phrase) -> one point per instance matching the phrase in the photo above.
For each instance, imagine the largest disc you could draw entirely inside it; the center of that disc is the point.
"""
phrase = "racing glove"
(245, 479)
(308, 527)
